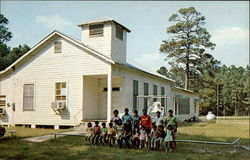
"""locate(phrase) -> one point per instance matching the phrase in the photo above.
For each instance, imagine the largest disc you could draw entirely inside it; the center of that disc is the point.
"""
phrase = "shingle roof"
(135, 65)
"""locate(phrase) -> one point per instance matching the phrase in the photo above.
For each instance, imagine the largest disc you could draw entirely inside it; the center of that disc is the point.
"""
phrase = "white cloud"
(230, 36)
(232, 45)
(54, 21)
(151, 61)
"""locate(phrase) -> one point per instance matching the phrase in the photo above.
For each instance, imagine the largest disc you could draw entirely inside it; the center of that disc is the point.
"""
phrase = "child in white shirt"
(169, 138)
(143, 137)
(89, 133)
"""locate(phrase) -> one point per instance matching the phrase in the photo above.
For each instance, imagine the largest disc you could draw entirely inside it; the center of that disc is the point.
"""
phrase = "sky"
(226, 21)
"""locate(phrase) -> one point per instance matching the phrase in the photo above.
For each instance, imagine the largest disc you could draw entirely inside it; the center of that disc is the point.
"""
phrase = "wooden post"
(109, 94)
(217, 100)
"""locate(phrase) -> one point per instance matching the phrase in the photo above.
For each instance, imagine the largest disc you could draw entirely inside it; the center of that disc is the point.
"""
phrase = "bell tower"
(107, 37)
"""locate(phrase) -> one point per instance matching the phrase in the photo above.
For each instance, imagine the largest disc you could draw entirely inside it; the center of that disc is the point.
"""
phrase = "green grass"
(72, 148)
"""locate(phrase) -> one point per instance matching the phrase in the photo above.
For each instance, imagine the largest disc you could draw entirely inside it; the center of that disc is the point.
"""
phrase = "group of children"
(134, 131)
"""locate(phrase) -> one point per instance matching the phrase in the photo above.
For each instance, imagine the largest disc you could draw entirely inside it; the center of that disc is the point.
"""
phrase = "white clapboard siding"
(108, 44)
(43, 69)
(130, 75)
(101, 44)
(119, 47)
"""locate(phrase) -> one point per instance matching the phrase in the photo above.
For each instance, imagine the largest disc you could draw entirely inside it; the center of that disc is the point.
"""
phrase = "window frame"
(60, 51)
(34, 97)
(184, 106)
(60, 89)
(91, 30)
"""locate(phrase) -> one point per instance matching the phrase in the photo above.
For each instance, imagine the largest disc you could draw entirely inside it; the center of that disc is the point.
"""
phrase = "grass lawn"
(72, 148)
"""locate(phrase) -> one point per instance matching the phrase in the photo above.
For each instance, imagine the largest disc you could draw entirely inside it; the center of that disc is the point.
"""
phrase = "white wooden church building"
(62, 81)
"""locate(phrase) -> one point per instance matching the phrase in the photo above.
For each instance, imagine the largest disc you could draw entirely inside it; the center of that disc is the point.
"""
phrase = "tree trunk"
(187, 74)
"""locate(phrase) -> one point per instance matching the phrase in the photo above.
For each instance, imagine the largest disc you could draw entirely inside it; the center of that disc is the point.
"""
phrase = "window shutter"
(155, 92)
(57, 47)
(146, 94)
(96, 30)
(163, 94)
(28, 96)
(119, 32)
(135, 93)
(2, 101)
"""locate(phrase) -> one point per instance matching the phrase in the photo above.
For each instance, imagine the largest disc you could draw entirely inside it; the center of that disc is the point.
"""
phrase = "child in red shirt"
(97, 132)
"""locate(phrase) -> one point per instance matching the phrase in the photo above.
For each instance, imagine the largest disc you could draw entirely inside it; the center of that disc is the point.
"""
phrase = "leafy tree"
(163, 71)
(14, 54)
(5, 35)
(8, 55)
(175, 74)
(187, 47)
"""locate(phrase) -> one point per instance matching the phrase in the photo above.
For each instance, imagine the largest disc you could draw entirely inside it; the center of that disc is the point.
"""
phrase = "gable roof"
(102, 20)
(77, 43)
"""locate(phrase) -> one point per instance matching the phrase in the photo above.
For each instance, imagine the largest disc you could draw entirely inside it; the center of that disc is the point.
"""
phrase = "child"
(169, 138)
(160, 137)
(153, 135)
(136, 117)
(158, 120)
(111, 133)
(143, 137)
(135, 135)
(115, 117)
(97, 132)
(119, 131)
(103, 136)
(127, 134)
(89, 133)
(115, 123)
(172, 121)
(135, 139)
(126, 116)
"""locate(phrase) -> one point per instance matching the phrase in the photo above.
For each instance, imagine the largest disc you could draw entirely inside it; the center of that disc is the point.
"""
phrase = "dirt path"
(48, 137)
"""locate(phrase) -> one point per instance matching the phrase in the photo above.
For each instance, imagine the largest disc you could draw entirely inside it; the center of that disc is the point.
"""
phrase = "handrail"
(211, 142)
(76, 116)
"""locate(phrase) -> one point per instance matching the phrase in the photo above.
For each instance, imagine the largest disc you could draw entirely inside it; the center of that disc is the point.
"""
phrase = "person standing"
(136, 117)
(158, 120)
(171, 121)
(146, 121)
(115, 117)
(126, 116)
